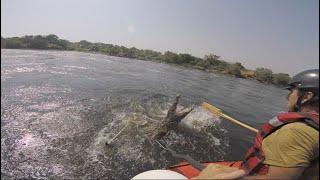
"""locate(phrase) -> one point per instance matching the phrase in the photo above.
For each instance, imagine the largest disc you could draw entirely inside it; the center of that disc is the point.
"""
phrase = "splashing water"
(135, 147)
(59, 108)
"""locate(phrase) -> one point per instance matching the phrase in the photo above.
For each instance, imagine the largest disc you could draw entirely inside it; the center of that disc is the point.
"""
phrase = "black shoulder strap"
(311, 123)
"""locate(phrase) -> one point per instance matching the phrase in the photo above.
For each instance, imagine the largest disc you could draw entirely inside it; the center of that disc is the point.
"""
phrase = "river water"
(58, 109)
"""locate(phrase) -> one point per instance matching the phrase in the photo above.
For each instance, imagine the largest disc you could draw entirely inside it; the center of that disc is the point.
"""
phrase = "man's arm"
(275, 172)
(215, 171)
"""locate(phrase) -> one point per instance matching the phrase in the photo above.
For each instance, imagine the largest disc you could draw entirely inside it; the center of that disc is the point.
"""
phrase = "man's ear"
(307, 96)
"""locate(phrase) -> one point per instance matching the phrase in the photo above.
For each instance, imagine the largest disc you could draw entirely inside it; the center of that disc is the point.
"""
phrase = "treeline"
(211, 62)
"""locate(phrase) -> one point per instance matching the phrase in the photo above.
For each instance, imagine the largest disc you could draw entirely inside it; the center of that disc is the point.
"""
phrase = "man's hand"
(275, 172)
(215, 171)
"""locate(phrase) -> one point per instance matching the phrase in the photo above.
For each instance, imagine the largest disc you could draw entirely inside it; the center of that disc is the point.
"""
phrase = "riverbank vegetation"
(209, 63)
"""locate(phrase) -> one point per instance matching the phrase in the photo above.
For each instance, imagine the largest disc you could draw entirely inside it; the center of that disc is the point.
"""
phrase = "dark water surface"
(59, 108)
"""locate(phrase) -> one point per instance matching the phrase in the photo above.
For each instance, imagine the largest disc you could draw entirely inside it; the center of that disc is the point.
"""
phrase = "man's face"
(292, 99)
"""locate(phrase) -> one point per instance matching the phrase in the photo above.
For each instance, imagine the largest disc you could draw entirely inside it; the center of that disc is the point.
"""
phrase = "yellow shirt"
(293, 145)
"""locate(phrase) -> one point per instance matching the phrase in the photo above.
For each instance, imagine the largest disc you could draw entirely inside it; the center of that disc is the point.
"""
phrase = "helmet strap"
(299, 104)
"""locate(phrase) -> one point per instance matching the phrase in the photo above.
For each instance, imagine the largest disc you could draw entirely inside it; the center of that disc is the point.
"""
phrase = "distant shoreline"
(210, 63)
(186, 66)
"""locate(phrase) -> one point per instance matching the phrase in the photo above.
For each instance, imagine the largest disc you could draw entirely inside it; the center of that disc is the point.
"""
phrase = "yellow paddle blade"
(218, 112)
(214, 110)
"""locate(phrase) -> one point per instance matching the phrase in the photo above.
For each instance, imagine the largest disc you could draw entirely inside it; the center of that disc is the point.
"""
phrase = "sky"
(282, 35)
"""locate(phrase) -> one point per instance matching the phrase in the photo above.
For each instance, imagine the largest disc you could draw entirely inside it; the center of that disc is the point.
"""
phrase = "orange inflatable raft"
(187, 170)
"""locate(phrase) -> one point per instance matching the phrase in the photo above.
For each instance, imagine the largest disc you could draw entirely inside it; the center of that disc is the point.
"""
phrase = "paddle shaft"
(240, 123)
(189, 159)
(194, 163)
(216, 111)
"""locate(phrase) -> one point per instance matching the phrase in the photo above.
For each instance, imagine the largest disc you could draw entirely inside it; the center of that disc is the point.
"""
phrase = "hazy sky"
(282, 35)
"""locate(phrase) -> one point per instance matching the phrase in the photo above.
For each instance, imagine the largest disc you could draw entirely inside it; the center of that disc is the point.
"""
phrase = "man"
(287, 147)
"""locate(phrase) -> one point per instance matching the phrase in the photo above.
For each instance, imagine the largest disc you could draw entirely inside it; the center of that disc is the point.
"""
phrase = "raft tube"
(188, 171)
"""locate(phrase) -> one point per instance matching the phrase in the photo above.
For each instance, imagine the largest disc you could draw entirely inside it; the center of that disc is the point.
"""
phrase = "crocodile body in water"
(171, 121)
(161, 128)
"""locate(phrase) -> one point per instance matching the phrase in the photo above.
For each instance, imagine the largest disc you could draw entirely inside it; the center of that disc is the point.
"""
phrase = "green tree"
(234, 69)
(149, 54)
(94, 47)
(3, 42)
(185, 59)
(63, 44)
(170, 57)
(203, 63)
(14, 43)
(114, 51)
(222, 66)
(264, 75)
(281, 79)
(51, 38)
(213, 59)
(241, 67)
(26, 40)
(85, 45)
(39, 42)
